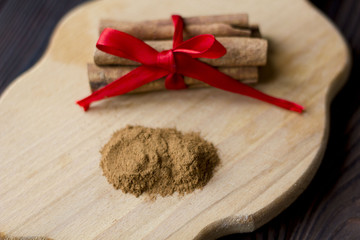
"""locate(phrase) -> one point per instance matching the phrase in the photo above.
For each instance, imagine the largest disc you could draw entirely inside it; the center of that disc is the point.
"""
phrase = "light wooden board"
(51, 183)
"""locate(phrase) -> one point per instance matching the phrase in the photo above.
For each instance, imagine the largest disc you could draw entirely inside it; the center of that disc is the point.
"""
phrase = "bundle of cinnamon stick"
(246, 50)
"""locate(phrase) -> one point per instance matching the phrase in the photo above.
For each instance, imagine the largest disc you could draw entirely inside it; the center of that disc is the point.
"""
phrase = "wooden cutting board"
(51, 183)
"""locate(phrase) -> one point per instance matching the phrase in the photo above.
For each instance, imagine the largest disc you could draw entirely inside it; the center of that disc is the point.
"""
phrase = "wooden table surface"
(328, 209)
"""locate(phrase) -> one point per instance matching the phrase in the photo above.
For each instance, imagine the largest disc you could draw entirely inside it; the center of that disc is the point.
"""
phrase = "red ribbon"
(172, 64)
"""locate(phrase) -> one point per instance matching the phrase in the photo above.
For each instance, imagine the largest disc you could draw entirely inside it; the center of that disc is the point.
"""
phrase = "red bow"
(173, 64)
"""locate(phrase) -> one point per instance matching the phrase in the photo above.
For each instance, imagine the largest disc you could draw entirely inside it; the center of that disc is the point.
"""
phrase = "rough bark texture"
(101, 76)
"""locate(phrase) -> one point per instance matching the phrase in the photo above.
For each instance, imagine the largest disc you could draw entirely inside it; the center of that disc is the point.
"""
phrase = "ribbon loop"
(124, 45)
(202, 46)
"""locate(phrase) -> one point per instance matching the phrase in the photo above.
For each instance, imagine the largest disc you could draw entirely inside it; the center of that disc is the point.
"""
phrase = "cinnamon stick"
(237, 19)
(240, 52)
(101, 76)
(153, 31)
(240, 20)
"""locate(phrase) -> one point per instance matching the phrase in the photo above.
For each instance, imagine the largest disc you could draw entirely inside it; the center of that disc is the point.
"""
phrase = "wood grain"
(329, 208)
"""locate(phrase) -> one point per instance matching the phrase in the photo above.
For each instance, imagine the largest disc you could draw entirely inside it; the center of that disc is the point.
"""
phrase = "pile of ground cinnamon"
(156, 161)
(3, 236)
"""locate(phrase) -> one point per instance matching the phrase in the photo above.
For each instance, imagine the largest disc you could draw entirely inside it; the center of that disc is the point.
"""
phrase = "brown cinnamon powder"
(3, 236)
(156, 161)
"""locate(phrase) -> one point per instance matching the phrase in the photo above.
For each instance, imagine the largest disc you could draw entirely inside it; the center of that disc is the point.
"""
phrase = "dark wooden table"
(328, 209)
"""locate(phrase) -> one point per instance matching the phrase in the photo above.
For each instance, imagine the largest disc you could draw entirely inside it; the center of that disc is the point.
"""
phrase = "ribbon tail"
(134, 79)
(205, 73)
